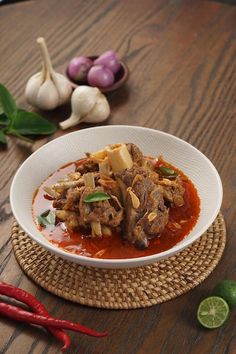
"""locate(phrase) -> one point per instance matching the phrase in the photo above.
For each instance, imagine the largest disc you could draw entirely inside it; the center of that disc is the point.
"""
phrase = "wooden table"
(182, 60)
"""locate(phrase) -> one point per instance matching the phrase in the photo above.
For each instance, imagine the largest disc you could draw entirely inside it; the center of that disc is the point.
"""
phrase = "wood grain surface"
(182, 61)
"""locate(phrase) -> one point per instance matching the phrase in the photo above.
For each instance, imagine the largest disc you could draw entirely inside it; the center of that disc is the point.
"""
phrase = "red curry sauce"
(181, 221)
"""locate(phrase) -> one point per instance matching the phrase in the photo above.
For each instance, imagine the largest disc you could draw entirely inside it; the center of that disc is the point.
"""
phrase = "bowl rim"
(115, 263)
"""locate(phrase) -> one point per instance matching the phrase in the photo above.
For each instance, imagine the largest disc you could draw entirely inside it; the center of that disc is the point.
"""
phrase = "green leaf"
(7, 103)
(21, 137)
(96, 197)
(30, 123)
(3, 139)
(4, 120)
(167, 172)
(47, 219)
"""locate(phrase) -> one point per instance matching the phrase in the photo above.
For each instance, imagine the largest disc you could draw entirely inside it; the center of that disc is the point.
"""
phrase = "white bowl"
(72, 146)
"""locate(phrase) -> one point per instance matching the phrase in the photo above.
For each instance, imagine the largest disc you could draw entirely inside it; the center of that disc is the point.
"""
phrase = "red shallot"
(100, 76)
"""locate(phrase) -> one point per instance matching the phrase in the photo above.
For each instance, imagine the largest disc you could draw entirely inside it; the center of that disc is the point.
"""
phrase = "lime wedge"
(213, 312)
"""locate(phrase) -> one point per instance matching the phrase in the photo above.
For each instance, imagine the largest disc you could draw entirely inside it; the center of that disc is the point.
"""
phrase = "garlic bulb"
(100, 111)
(88, 105)
(47, 89)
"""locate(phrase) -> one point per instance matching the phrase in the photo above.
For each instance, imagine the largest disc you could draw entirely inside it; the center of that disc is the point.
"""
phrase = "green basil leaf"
(21, 137)
(167, 172)
(96, 197)
(30, 123)
(47, 219)
(7, 103)
(4, 120)
(3, 139)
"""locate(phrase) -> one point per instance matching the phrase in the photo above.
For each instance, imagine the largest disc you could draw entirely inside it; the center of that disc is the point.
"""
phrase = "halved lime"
(227, 290)
(213, 312)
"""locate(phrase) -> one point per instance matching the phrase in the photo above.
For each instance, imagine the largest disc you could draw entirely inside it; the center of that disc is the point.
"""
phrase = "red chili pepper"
(34, 304)
(18, 314)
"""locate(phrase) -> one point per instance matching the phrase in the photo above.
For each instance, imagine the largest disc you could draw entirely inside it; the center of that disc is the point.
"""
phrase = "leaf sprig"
(18, 122)
(167, 172)
(47, 219)
(96, 197)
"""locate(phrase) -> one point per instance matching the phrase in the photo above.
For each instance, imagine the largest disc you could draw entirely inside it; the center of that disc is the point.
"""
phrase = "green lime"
(227, 290)
(213, 312)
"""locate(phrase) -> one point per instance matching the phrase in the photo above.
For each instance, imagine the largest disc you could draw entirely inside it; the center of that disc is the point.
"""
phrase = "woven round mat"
(122, 288)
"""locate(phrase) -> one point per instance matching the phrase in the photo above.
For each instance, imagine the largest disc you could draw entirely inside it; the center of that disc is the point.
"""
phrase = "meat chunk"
(147, 218)
(173, 191)
(71, 219)
(107, 212)
(68, 199)
(75, 212)
(140, 196)
(72, 199)
(110, 186)
(59, 203)
(136, 154)
(86, 165)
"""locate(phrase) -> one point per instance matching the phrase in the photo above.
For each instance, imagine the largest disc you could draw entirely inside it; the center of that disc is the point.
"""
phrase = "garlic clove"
(84, 99)
(32, 87)
(47, 97)
(63, 87)
(70, 122)
(88, 105)
(100, 111)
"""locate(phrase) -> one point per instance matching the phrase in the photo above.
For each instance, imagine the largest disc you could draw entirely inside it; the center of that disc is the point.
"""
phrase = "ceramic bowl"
(72, 146)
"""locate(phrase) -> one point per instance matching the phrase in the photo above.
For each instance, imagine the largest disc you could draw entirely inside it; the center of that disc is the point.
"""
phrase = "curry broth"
(181, 221)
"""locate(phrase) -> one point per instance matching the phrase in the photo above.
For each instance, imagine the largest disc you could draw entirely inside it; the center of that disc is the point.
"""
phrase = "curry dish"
(116, 203)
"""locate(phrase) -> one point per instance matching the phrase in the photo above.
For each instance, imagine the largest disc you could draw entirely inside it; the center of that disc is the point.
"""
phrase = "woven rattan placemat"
(122, 288)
